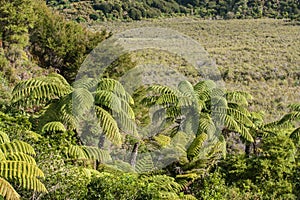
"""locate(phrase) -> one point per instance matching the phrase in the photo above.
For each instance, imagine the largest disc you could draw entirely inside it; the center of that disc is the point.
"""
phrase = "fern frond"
(7, 191)
(196, 145)
(162, 140)
(90, 172)
(295, 107)
(127, 109)
(145, 164)
(96, 154)
(160, 89)
(206, 124)
(125, 123)
(296, 134)
(60, 110)
(19, 156)
(109, 126)
(239, 97)
(38, 91)
(186, 89)
(82, 101)
(292, 116)
(206, 85)
(76, 151)
(32, 183)
(86, 83)
(232, 125)
(4, 137)
(59, 79)
(218, 101)
(88, 152)
(19, 169)
(240, 108)
(108, 99)
(186, 101)
(2, 156)
(32, 135)
(53, 127)
(240, 117)
(167, 99)
(120, 166)
(23, 172)
(17, 146)
(116, 87)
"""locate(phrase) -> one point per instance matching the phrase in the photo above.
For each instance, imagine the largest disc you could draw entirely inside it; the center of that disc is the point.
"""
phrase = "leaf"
(196, 146)
(19, 156)
(109, 126)
(7, 191)
(296, 134)
(87, 152)
(40, 90)
(53, 127)
(24, 172)
(17, 146)
(238, 97)
(3, 137)
(144, 164)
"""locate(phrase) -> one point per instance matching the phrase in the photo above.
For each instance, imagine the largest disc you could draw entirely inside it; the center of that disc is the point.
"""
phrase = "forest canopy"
(141, 9)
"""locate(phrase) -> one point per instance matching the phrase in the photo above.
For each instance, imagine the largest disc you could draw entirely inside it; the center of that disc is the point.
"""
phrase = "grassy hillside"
(259, 56)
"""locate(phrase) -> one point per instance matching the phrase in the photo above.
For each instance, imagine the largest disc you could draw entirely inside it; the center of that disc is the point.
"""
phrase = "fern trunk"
(134, 154)
(101, 141)
(248, 149)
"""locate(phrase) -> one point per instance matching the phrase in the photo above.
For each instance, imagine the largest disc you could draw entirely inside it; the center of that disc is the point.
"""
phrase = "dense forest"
(64, 137)
(135, 10)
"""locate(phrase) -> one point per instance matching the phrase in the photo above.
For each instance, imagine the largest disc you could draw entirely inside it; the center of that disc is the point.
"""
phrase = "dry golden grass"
(259, 56)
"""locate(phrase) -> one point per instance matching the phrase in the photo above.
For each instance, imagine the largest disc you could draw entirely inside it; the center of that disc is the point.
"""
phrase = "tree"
(16, 17)
(69, 104)
(61, 44)
(209, 103)
(290, 119)
(193, 119)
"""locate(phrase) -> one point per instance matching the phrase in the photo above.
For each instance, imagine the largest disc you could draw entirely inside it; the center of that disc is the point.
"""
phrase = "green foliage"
(59, 43)
(269, 174)
(131, 186)
(17, 165)
(241, 9)
(68, 105)
(15, 19)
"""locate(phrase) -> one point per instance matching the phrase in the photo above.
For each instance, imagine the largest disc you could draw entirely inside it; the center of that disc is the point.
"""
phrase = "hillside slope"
(260, 56)
(100, 10)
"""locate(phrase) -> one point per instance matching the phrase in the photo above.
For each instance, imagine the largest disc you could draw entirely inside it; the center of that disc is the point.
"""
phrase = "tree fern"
(290, 119)
(70, 105)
